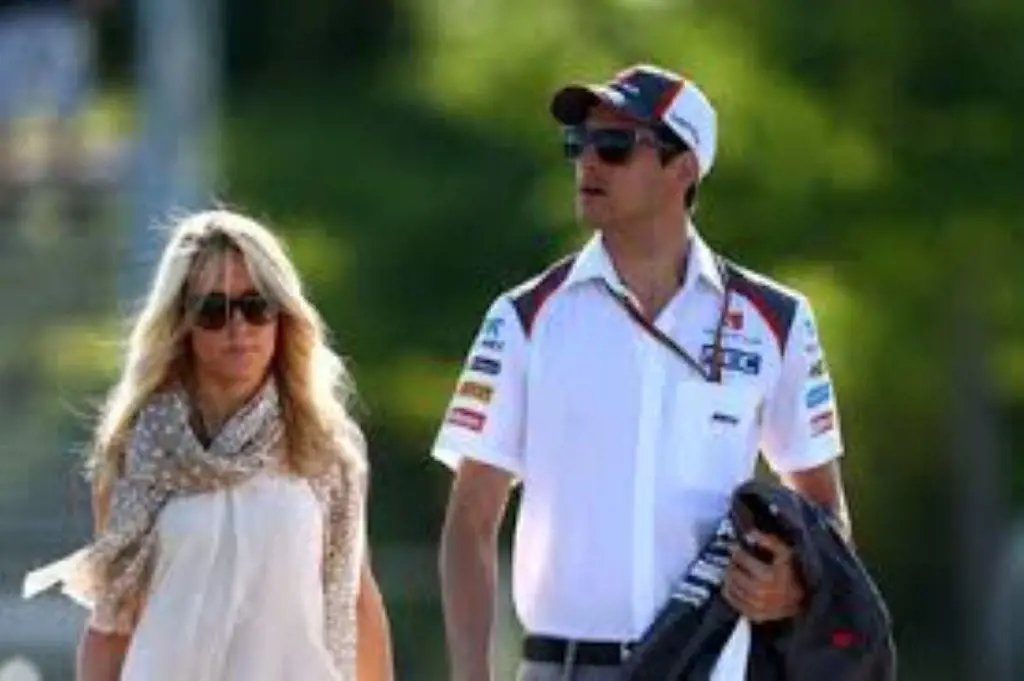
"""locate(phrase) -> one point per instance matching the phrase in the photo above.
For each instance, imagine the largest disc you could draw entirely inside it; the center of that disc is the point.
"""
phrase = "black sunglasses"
(613, 146)
(213, 310)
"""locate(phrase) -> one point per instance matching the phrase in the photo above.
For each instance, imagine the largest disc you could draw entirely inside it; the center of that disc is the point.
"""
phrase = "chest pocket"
(714, 435)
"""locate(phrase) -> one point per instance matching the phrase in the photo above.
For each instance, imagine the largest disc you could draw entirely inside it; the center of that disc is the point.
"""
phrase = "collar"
(593, 263)
(702, 262)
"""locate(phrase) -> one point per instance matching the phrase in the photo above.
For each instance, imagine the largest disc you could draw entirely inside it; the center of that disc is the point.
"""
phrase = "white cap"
(649, 94)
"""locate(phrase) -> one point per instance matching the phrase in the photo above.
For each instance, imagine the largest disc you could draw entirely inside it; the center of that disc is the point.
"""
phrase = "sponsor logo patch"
(476, 391)
(490, 334)
(466, 418)
(485, 365)
(734, 359)
(492, 327)
(818, 395)
(822, 423)
(728, 419)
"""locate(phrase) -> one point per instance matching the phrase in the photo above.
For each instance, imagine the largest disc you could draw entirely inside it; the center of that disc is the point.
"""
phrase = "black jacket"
(843, 633)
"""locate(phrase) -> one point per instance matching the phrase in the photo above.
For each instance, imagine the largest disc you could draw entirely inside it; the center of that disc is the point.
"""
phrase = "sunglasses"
(213, 310)
(613, 146)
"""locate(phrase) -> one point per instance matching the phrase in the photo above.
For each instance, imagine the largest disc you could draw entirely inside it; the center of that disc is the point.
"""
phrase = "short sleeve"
(484, 419)
(801, 424)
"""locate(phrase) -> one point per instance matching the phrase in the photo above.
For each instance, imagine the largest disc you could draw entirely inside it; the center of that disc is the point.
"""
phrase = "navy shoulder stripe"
(777, 306)
(529, 298)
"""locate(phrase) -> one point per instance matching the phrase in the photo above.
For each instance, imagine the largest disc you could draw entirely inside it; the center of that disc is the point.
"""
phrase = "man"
(628, 389)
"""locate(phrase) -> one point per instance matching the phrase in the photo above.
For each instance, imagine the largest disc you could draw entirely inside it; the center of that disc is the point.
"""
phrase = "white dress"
(237, 590)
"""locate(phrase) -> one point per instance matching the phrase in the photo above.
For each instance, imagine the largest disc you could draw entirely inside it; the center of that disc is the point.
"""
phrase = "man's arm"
(824, 485)
(801, 432)
(469, 565)
(481, 441)
(802, 442)
(373, 653)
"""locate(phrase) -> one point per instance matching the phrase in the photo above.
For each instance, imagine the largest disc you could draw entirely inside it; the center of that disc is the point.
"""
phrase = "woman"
(230, 484)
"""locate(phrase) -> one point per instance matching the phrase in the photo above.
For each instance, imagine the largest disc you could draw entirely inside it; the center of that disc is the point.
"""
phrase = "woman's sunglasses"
(613, 146)
(213, 310)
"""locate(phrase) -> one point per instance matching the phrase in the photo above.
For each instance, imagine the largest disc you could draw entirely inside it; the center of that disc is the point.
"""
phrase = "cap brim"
(572, 103)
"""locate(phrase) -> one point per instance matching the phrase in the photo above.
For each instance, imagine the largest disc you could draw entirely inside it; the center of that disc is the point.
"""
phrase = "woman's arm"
(100, 656)
(373, 632)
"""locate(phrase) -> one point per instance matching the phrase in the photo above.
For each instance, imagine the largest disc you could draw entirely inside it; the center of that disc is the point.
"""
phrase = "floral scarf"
(164, 460)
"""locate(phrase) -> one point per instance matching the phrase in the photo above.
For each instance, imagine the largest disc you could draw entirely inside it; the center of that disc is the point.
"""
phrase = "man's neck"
(651, 264)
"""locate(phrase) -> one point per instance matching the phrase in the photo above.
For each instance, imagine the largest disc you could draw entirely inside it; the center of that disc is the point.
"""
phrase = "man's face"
(626, 186)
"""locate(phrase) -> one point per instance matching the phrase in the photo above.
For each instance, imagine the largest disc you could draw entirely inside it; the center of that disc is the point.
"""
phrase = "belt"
(564, 651)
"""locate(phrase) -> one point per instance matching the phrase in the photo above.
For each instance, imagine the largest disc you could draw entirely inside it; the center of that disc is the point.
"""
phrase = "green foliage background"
(870, 156)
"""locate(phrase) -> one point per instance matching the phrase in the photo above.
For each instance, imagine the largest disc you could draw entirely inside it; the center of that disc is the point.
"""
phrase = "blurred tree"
(313, 40)
(263, 40)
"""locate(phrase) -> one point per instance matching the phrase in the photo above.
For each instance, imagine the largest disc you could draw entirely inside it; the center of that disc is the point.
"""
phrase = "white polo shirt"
(626, 455)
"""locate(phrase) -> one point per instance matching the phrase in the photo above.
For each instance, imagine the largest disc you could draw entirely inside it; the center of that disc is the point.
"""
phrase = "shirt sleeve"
(801, 416)
(484, 420)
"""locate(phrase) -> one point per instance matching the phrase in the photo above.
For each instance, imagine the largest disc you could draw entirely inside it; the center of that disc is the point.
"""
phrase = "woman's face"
(233, 335)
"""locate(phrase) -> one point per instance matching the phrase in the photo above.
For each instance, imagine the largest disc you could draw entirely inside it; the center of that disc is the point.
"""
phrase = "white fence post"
(179, 64)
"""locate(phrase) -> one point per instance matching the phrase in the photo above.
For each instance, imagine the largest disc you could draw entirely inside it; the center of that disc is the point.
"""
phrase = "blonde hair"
(314, 384)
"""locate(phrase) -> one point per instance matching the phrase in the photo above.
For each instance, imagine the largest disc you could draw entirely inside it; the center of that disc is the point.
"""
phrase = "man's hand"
(763, 592)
